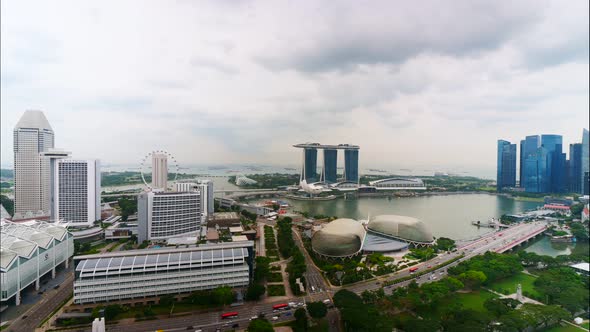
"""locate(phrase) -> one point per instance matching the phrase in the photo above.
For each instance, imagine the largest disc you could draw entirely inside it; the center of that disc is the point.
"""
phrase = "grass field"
(274, 277)
(564, 328)
(275, 290)
(510, 284)
(472, 300)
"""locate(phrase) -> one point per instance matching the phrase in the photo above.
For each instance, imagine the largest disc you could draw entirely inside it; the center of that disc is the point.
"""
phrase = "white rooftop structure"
(41, 246)
(582, 267)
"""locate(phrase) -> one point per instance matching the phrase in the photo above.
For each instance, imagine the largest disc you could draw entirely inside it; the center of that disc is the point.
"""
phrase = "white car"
(275, 317)
(253, 317)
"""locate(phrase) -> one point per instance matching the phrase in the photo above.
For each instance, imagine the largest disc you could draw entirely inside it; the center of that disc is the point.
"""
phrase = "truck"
(413, 269)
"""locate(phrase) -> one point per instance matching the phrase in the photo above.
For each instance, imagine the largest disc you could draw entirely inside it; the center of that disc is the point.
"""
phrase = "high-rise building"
(585, 162)
(310, 164)
(555, 162)
(163, 215)
(575, 168)
(159, 170)
(76, 195)
(521, 164)
(330, 166)
(536, 180)
(53, 155)
(32, 135)
(351, 165)
(506, 171)
(528, 147)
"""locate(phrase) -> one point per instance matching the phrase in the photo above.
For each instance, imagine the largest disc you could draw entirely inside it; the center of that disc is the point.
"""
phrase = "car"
(288, 314)
(56, 287)
(40, 293)
(275, 317)
(199, 330)
(429, 266)
(433, 277)
(235, 326)
(275, 310)
(253, 317)
(24, 317)
(189, 327)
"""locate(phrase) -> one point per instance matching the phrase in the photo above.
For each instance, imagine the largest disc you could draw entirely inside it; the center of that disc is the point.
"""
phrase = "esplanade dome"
(340, 238)
(401, 227)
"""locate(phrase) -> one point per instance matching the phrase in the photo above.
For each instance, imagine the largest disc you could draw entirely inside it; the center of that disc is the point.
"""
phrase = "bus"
(280, 306)
(229, 315)
(413, 269)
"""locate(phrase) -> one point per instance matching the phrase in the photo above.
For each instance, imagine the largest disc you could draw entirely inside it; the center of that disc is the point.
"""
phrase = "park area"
(508, 285)
(472, 300)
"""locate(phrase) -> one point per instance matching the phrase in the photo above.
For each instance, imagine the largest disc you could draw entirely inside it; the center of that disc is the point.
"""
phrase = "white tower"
(76, 196)
(32, 135)
(159, 170)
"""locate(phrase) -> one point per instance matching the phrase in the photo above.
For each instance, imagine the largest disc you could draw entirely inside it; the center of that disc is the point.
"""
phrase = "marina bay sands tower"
(330, 162)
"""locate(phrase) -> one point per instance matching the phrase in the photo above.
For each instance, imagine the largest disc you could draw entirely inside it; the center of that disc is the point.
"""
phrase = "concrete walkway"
(261, 240)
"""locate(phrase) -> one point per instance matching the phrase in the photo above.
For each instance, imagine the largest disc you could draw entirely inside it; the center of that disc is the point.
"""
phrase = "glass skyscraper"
(506, 171)
(528, 147)
(535, 168)
(310, 165)
(575, 168)
(351, 165)
(555, 162)
(585, 162)
(330, 165)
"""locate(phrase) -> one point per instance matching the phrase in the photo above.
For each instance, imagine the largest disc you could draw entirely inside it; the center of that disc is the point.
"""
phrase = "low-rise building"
(224, 219)
(132, 274)
(29, 250)
(582, 268)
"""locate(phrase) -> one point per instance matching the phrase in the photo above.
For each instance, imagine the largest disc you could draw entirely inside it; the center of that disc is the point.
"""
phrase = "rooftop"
(328, 147)
(33, 119)
(581, 266)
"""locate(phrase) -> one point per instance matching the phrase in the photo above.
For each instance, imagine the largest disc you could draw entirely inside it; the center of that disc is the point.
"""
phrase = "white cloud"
(214, 82)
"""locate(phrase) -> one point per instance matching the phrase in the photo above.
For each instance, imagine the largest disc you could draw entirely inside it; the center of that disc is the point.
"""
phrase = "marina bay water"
(446, 215)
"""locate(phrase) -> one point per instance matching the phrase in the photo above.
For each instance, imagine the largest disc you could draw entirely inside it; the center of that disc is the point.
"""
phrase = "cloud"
(426, 83)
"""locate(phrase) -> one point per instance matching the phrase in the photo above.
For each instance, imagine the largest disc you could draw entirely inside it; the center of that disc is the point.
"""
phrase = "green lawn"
(274, 277)
(565, 328)
(585, 325)
(275, 290)
(472, 300)
(510, 284)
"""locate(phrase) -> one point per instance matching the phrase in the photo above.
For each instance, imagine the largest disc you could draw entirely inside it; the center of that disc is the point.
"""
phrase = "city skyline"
(252, 81)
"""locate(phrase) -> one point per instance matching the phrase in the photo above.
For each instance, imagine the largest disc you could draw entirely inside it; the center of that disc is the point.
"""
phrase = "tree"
(301, 319)
(223, 295)
(499, 307)
(255, 291)
(472, 279)
(260, 325)
(445, 244)
(166, 300)
(421, 325)
(8, 204)
(317, 309)
(111, 311)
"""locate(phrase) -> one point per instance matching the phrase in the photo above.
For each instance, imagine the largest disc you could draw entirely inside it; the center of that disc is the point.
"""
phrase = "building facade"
(575, 168)
(351, 165)
(76, 195)
(52, 156)
(205, 187)
(555, 162)
(30, 250)
(159, 170)
(162, 215)
(585, 162)
(32, 136)
(506, 171)
(528, 148)
(147, 273)
(329, 171)
(310, 164)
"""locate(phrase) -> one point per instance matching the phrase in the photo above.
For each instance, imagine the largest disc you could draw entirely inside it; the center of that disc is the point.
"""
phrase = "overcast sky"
(427, 83)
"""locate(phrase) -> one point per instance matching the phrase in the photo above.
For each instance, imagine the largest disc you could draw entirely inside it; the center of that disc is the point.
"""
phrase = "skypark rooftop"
(328, 147)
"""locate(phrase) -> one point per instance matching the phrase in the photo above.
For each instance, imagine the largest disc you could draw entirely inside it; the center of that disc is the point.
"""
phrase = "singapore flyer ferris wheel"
(147, 167)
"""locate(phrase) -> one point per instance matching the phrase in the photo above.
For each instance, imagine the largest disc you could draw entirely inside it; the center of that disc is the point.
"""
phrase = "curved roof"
(340, 238)
(398, 180)
(33, 119)
(402, 227)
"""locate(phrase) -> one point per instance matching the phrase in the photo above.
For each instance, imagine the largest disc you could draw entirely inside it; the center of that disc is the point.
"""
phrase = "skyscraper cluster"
(329, 168)
(47, 184)
(544, 167)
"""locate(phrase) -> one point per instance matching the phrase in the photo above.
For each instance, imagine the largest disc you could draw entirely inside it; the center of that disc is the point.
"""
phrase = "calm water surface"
(544, 246)
(448, 215)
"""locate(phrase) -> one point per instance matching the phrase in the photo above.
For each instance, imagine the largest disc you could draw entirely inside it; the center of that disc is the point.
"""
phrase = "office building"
(555, 162)
(32, 136)
(351, 165)
(159, 170)
(162, 215)
(585, 162)
(528, 148)
(506, 168)
(133, 274)
(329, 174)
(76, 192)
(30, 250)
(537, 180)
(575, 168)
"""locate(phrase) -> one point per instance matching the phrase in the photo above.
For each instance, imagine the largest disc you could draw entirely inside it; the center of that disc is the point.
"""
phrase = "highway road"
(51, 300)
